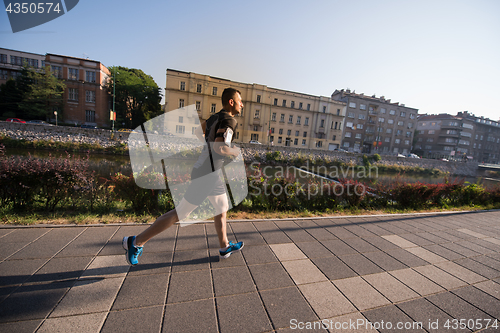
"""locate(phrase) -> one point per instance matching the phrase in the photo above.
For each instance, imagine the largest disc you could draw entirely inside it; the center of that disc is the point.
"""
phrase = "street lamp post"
(114, 85)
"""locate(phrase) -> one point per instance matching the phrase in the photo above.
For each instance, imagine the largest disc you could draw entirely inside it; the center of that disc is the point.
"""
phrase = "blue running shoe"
(233, 247)
(132, 252)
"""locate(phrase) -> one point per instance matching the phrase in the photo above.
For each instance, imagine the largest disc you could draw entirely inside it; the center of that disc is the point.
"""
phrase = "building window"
(322, 124)
(254, 137)
(300, 105)
(198, 88)
(308, 107)
(284, 103)
(289, 132)
(180, 129)
(272, 130)
(73, 74)
(280, 131)
(290, 119)
(213, 108)
(298, 120)
(408, 134)
(432, 131)
(402, 114)
(338, 112)
(387, 139)
(296, 142)
(358, 136)
(181, 103)
(214, 91)
(407, 142)
(319, 144)
(4, 75)
(198, 106)
(352, 105)
(271, 138)
(390, 121)
(73, 94)
(273, 117)
(397, 141)
(181, 119)
(400, 123)
(348, 134)
(292, 104)
(360, 126)
(303, 142)
(183, 86)
(305, 135)
(193, 130)
(362, 107)
(306, 121)
(257, 114)
(275, 101)
(351, 115)
(381, 120)
(279, 139)
(389, 131)
(57, 71)
(258, 98)
(90, 96)
(334, 137)
(90, 116)
(90, 76)
(361, 117)
(324, 109)
(399, 132)
(282, 118)
(297, 133)
(348, 124)
(412, 116)
(3, 58)
(256, 128)
(382, 111)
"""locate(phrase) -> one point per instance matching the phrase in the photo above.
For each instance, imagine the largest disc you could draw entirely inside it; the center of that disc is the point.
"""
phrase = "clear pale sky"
(439, 56)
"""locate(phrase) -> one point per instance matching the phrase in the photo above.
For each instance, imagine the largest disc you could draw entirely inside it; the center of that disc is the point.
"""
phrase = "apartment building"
(375, 125)
(464, 136)
(12, 62)
(86, 100)
(271, 116)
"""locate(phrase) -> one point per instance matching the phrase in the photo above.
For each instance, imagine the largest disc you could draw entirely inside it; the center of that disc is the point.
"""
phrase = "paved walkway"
(420, 273)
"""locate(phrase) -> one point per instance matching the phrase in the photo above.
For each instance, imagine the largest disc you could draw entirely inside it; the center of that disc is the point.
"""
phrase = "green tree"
(137, 96)
(42, 92)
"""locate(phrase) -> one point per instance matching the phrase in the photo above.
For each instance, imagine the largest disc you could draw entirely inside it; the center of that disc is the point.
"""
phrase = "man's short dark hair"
(228, 94)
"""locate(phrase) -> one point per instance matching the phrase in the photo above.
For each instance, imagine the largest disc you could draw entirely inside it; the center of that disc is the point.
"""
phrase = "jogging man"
(206, 180)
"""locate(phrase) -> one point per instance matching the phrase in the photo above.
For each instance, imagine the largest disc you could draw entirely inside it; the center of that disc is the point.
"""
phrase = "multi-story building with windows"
(464, 136)
(86, 100)
(375, 125)
(270, 116)
(12, 62)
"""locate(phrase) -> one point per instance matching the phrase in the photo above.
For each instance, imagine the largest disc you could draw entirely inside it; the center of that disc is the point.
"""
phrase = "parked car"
(401, 155)
(340, 150)
(255, 142)
(444, 159)
(40, 122)
(88, 126)
(16, 120)
(413, 156)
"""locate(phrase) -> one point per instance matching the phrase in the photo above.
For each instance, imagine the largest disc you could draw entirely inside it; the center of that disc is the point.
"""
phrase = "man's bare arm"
(222, 149)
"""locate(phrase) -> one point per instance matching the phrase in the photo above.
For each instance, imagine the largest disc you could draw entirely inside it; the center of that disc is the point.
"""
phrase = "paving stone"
(190, 260)
(391, 288)
(145, 320)
(270, 276)
(89, 242)
(381, 243)
(399, 241)
(360, 245)
(142, 291)
(163, 242)
(82, 323)
(423, 311)
(8, 249)
(152, 263)
(235, 259)
(258, 254)
(489, 287)
(385, 261)
(417, 282)
(479, 299)
(190, 317)
(107, 267)
(446, 235)
(334, 268)
(248, 233)
(457, 307)
(314, 249)
(18, 271)
(375, 229)
(6, 291)
(288, 251)
(460, 272)
(286, 304)
(426, 255)
(26, 326)
(443, 252)
(293, 231)
(89, 296)
(242, 313)
(474, 247)
(417, 240)
(25, 235)
(48, 245)
(326, 300)
(387, 318)
(406, 257)
(360, 264)
(455, 247)
(318, 232)
(213, 239)
(303, 271)
(340, 232)
(358, 230)
(338, 247)
(271, 233)
(58, 269)
(432, 237)
(232, 280)
(360, 293)
(32, 301)
(189, 286)
(191, 237)
(472, 233)
(440, 277)
(479, 268)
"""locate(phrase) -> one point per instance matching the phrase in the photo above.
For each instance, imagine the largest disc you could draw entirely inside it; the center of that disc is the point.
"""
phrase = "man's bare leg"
(221, 205)
(165, 221)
